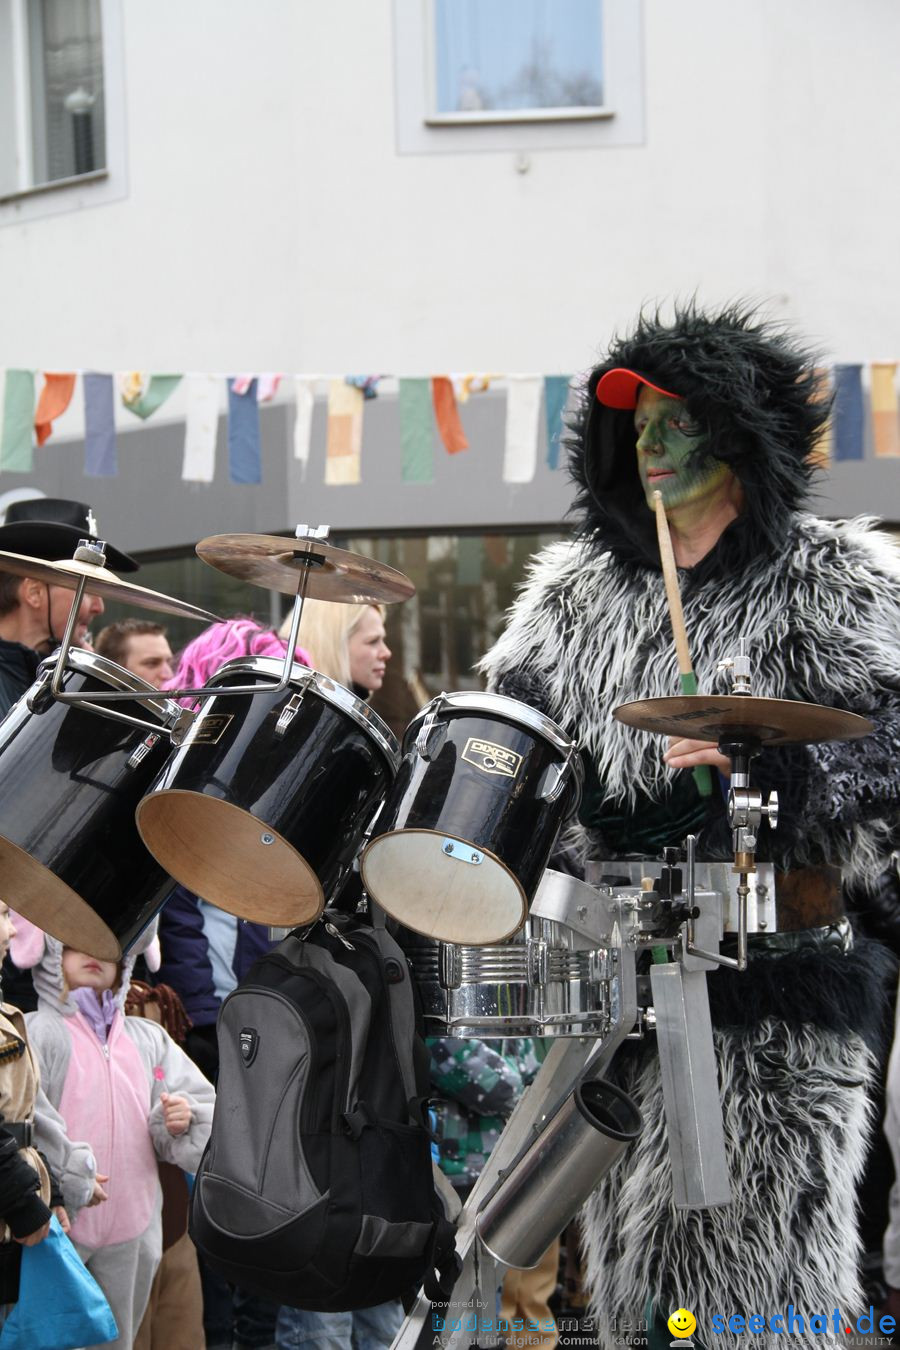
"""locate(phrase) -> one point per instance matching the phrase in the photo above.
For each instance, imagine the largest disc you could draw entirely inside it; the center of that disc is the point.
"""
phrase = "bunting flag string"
(865, 418)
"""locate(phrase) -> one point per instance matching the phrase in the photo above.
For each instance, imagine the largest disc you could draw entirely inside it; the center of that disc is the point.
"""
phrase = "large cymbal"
(714, 717)
(100, 581)
(277, 562)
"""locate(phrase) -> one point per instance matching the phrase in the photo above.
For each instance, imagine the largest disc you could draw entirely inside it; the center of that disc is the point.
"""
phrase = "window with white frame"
(481, 75)
(510, 60)
(52, 94)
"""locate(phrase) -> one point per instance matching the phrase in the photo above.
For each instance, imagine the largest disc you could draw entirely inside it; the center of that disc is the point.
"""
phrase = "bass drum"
(71, 858)
(263, 807)
(466, 831)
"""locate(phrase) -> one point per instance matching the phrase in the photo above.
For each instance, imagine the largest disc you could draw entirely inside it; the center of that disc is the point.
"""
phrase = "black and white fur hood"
(756, 394)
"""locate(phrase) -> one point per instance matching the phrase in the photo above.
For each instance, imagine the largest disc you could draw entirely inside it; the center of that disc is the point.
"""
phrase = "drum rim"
(330, 690)
(482, 700)
(86, 662)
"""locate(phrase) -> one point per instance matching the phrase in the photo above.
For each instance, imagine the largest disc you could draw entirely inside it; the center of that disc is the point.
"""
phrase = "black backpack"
(316, 1188)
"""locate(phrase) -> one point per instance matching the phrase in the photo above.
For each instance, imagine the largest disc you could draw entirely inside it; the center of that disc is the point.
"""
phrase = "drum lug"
(38, 699)
(538, 963)
(288, 713)
(182, 726)
(142, 751)
(450, 966)
(554, 779)
(432, 732)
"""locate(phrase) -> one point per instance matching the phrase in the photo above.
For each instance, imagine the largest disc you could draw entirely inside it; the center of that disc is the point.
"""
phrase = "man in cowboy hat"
(33, 613)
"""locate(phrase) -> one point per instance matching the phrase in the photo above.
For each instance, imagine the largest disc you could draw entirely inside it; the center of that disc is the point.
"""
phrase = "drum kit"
(265, 790)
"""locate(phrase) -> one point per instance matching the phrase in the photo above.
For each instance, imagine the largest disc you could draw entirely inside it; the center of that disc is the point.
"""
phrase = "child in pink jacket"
(123, 1087)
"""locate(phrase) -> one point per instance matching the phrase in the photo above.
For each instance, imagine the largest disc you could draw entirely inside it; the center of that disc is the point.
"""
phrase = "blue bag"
(60, 1304)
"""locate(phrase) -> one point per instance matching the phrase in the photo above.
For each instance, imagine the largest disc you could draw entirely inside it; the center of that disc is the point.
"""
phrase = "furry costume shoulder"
(822, 622)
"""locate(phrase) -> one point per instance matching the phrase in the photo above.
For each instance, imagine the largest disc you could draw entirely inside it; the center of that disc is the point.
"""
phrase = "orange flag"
(446, 414)
(56, 396)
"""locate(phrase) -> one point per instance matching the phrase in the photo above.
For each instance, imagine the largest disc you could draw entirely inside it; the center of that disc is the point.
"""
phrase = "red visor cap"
(619, 388)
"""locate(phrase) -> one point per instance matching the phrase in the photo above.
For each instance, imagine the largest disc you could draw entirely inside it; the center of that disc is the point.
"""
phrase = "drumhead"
(492, 705)
(249, 859)
(441, 896)
(302, 677)
(166, 710)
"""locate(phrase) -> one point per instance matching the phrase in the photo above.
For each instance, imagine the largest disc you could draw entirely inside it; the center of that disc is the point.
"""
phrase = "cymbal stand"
(745, 809)
(95, 553)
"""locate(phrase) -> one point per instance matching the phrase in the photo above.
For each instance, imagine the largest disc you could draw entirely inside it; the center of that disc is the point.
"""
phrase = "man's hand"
(99, 1194)
(176, 1113)
(37, 1236)
(63, 1218)
(685, 754)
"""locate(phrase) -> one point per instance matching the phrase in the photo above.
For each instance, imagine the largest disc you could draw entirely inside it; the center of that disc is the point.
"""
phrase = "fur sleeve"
(844, 650)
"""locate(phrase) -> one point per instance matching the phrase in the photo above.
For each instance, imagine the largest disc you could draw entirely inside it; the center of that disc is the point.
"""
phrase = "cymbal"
(714, 717)
(100, 581)
(276, 562)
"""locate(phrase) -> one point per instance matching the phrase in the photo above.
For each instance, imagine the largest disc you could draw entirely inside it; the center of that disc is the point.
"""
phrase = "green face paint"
(667, 436)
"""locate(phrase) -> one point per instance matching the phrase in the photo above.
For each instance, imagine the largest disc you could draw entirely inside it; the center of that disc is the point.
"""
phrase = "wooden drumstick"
(702, 774)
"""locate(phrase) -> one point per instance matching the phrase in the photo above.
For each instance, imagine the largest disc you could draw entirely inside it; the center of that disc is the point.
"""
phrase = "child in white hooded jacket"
(126, 1095)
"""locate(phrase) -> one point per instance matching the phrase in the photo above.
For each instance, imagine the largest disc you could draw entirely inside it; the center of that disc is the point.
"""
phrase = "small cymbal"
(100, 581)
(277, 563)
(713, 717)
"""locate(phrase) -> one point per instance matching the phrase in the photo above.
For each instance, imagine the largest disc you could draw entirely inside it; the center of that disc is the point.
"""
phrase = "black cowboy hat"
(50, 528)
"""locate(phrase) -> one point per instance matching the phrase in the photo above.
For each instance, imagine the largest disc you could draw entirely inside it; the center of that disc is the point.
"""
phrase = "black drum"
(71, 859)
(466, 831)
(263, 807)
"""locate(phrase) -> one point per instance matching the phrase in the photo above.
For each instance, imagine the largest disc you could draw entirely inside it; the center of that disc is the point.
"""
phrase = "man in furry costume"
(721, 414)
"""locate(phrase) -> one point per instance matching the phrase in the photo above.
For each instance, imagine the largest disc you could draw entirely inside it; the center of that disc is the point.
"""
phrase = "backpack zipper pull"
(330, 928)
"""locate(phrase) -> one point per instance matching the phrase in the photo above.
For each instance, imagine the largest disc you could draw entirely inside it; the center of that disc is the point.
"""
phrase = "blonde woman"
(345, 642)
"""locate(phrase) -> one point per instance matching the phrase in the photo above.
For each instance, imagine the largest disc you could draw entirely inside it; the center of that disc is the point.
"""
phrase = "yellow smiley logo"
(682, 1323)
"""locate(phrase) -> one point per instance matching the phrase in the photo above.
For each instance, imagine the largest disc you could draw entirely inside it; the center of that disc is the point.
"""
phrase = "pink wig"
(225, 642)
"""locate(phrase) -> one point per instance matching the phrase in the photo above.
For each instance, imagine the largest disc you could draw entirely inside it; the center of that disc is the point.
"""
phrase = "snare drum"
(466, 831)
(547, 981)
(262, 808)
(70, 855)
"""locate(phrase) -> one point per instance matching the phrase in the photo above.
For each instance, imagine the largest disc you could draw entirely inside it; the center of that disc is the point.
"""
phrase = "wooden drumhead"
(36, 893)
(412, 878)
(229, 857)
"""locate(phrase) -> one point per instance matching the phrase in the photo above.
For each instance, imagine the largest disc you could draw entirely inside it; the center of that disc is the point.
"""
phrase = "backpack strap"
(402, 1011)
(443, 1265)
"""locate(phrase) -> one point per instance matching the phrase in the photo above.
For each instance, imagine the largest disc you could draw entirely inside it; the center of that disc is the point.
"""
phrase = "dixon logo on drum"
(491, 758)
